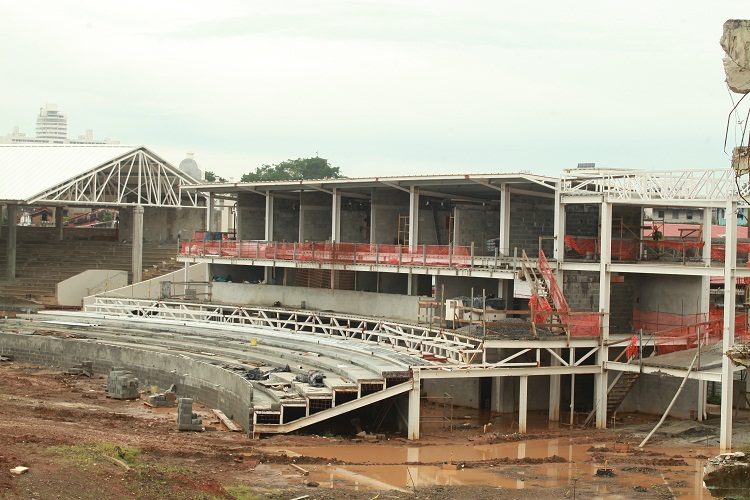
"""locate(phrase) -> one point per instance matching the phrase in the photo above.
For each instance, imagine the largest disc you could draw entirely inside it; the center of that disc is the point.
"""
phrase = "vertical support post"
(336, 216)
(504, 236)
(554, 390)
(413, 217)
(137, 259)
(707, 226)
(59, 222)
(414, 400)
(523, 403)
(209, 212)
(571, 362)
(558, 250)
(186, 280)
(456, 226)
(730, 295)
(268, 235)
(10, 265)
(605, 258)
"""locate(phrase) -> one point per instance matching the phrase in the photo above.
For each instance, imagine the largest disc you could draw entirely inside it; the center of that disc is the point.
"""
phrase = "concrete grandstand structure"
(355, 275)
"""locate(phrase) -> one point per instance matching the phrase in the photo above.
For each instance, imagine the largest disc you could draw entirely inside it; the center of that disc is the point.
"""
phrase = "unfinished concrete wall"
(71, 291)
(164, 224)
(251, 217)
(530, 218)
(669, 294)
(459, 286)
(355, 222)
(387, 206)
(400, 307)
(653, 393)
(464, 392)
(315, 217)
(477, 224)
(209, 384)
(581, 290)
(393, 283)
(151, 289)
(285, 220)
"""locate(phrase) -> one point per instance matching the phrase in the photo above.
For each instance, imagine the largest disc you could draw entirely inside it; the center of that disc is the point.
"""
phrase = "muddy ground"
(79, 444)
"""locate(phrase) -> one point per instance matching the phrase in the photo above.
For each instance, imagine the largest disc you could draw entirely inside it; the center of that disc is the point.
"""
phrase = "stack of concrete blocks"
(186, 419)
(85, 368)
(121, 384)
(168, 398)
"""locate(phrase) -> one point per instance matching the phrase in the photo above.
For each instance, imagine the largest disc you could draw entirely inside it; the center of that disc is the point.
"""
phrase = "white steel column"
(504, 242)
(137, 259)
(600, 379)
(269, 217)
(554, 390)
(210, 212)
(336, 216)
(10, 260)
(414, 400)
(730, 284)
(523, 403)
(413, 217)
(705, 304)
(559, 227)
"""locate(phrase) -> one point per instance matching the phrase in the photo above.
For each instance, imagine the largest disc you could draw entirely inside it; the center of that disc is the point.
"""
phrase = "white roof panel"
(26, 170)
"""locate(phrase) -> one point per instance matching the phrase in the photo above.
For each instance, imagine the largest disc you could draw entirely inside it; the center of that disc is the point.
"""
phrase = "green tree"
(301, 168)
(212, 177)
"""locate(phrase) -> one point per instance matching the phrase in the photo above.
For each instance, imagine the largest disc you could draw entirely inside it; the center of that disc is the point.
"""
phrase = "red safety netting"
(580, 324)
(351, 253)
(673, 332)
(620, 249)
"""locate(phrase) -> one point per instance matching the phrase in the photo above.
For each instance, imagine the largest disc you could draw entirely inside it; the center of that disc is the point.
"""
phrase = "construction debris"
(168, 398)
(313, 379)
(728, 475)
(19, 470)
(122, 384)
(186, 419)
(226, 421)
(85, 368)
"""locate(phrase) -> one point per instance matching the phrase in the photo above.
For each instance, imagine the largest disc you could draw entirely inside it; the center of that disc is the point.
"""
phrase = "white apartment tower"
(51, 124)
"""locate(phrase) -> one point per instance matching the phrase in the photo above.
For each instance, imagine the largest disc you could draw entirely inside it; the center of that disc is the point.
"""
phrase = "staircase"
(616, 394)
(41, 265)
(558, 323)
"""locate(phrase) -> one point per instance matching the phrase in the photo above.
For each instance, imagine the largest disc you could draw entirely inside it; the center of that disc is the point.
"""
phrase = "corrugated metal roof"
(26, 170)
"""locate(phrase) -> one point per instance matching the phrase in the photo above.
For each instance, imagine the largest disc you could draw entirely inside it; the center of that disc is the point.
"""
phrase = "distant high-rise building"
(52, 128)
(51, 124)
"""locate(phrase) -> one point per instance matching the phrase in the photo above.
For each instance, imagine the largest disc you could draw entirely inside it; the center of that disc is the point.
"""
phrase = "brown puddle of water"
(382, 467)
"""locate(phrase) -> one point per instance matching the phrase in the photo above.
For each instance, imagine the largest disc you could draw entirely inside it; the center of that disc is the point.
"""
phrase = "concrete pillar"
(727, 369)
(269, 217)
(59, 222)
(413, 217)
(414, 401)
(336, 216)
(559, 227)
(554, 391)
(456, 226)
(523, 403)
(137, 243)
(10, 265)
(505, 221)
(605, 279)
(705, 304)
(209, 213)
(187, 279)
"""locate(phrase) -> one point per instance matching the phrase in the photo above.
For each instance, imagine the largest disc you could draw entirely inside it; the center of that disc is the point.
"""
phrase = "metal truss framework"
(436, 353)
(422, 342)
(136, 178)
(707, 186)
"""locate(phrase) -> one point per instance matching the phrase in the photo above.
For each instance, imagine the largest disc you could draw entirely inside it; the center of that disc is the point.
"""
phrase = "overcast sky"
(394, 87)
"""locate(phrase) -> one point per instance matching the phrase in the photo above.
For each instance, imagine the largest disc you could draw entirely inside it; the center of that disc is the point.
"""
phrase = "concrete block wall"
(669, 294)
(582, 220)
(164, 225)
(477, 224)
(285, 220)
(653, 393)
(208, 384)
(530, 218)
(316, 211)
(251, 217)
(428, 227)
(386, 207)
(581, 290)
(386, 305)
(355, 222)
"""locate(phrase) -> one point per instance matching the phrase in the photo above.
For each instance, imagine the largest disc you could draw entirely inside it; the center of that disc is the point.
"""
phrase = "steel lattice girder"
(135, 178)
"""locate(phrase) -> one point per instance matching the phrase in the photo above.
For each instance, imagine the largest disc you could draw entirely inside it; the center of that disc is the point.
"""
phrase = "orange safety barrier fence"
(339, 253)
(621, 249)
(673, 332)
